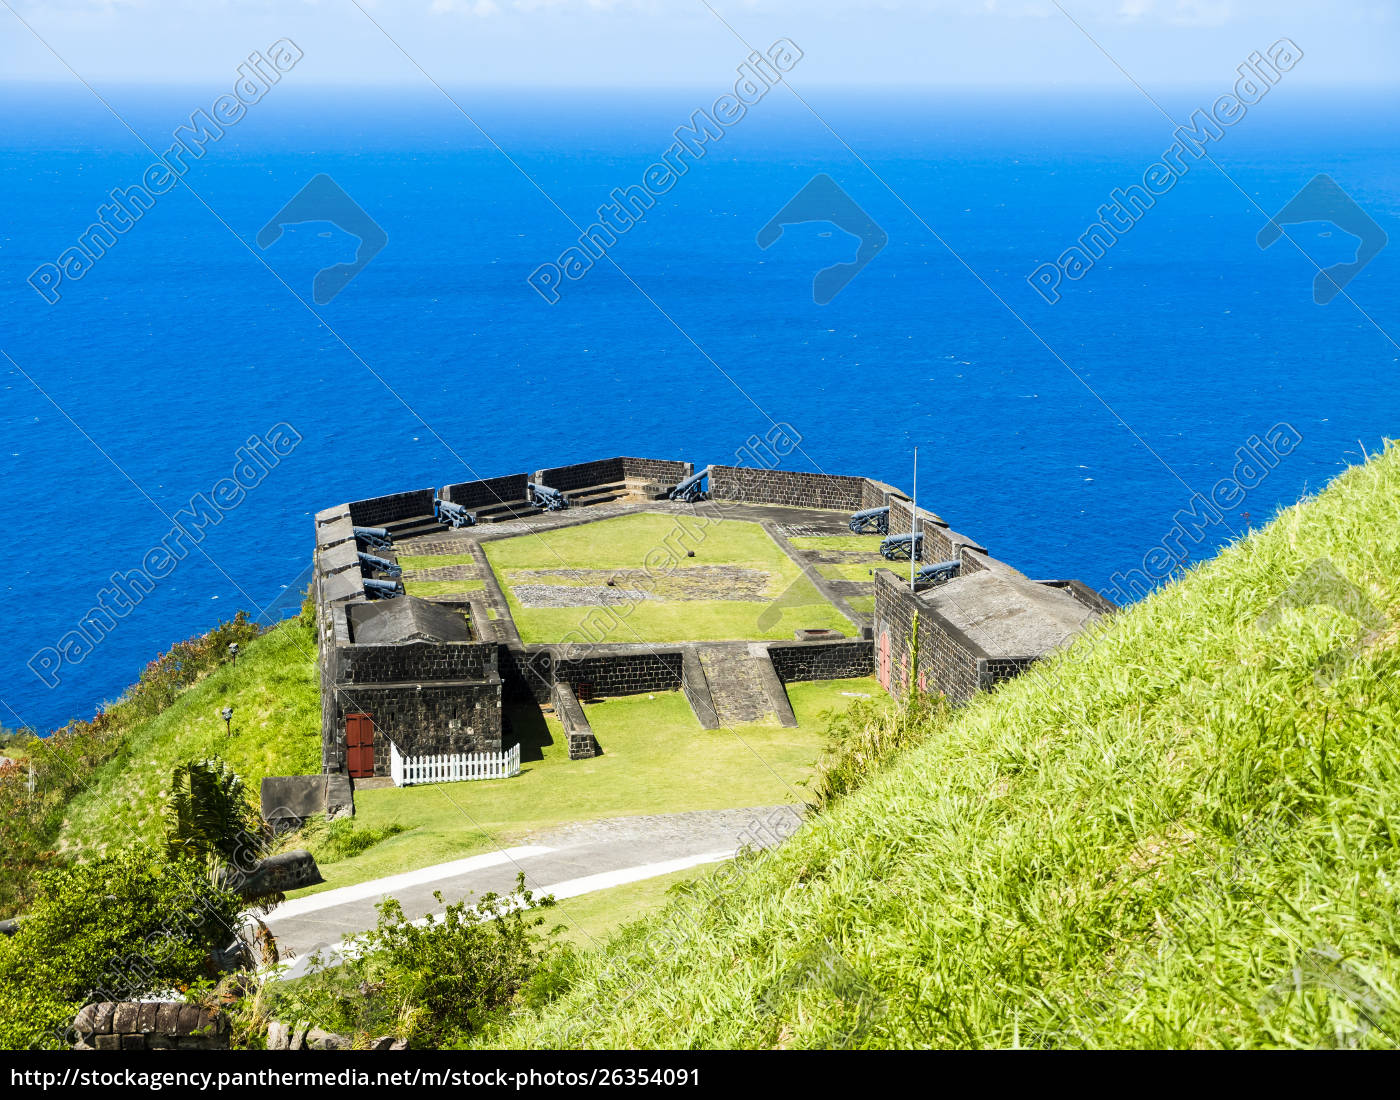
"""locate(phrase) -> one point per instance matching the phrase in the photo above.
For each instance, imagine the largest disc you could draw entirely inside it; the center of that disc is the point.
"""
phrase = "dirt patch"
(583, 587)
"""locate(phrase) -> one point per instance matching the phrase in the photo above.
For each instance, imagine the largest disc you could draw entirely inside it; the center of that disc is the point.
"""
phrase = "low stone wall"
(492, 490)
(577, 729)
(151, 1025)
(378, 511)
(289, 800)
(273, 875)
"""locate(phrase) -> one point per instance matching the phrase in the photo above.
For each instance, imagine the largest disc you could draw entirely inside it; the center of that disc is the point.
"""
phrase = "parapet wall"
(791, 487)
(609, 471)
(488, 491)
(378, 511)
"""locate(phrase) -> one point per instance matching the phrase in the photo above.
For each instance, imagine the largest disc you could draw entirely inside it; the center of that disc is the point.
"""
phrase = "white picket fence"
(452, 767)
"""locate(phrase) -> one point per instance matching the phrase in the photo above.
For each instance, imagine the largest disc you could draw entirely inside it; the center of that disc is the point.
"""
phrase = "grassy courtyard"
(739, 585)
(656, 759)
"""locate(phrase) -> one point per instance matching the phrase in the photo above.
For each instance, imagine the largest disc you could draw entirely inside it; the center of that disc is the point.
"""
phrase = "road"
(567, 861)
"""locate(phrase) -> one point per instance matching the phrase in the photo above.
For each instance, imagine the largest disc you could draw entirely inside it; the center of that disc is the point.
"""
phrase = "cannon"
(382, 590)
(551, 500)
(376, 538)
(899, 547)
(380, 565)
(872, 519)
(452, 515)
(690, 490)
(938, 573)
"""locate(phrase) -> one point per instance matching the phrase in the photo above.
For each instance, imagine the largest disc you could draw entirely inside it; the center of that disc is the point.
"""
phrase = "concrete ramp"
(743, 687)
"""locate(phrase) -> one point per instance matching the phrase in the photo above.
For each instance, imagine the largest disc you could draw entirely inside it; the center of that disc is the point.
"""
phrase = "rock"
(317, 1039)
(124, 1018)
(279, 1036)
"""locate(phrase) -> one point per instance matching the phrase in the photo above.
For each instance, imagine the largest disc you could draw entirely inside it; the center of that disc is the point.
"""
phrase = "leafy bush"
(115, 928)
(433, 983)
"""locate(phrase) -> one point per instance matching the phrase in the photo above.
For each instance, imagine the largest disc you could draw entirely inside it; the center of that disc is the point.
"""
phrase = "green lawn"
(434, 561)
(655, 545)
(656, 759)
(428, 589)
(591, 919)
(275, 696)
(1181, 831)
(851, 570)
(869, 544)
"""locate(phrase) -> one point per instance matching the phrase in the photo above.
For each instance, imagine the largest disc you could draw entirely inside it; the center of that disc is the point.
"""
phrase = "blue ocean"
(1064, 437)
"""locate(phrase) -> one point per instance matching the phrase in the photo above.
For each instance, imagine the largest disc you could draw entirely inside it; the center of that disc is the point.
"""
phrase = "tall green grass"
(1183, 831)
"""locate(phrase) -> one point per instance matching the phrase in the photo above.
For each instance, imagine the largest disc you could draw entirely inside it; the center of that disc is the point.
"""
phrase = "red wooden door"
(359, 745)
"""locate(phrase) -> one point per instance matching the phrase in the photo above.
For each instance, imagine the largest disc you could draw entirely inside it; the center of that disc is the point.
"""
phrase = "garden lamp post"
(233, 651)
(228, 721)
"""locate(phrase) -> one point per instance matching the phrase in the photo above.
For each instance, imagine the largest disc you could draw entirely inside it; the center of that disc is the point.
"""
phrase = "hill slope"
(1183, 831)
(275, 694)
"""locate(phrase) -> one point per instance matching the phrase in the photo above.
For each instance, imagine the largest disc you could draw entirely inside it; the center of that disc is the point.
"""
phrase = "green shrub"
(345, 839)
(862, 739)
(433, 983)
(113, 929)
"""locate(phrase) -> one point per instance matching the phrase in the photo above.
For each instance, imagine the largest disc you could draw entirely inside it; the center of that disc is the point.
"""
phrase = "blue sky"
(687, 43)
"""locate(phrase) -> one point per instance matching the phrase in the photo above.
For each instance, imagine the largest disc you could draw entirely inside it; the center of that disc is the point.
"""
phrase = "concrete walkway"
(567, 861)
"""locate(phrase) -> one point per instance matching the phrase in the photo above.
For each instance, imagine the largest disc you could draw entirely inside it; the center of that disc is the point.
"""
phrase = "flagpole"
(914, 521)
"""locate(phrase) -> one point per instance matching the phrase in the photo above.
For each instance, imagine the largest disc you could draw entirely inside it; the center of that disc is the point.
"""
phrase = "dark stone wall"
(759, 486)
(875, 494)
(429, 718)
(607, 471)
(628, 673)
(408, 661)
(378, 511)
(489, 491)
(948, 660)
(615, 670)
(822, 660)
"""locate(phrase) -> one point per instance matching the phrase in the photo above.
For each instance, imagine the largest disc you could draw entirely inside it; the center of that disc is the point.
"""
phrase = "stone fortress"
(433, 674)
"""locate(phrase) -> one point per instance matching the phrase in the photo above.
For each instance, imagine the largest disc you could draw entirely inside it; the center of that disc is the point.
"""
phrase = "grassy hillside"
(1183, 831)
(275, 696)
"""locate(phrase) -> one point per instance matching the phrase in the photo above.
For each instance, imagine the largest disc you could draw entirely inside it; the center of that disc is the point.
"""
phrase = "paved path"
(566, 862)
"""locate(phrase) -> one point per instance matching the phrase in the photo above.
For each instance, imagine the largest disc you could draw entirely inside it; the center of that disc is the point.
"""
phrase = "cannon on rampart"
(380, 565)
(901, 547)
(691, 489)
(452, 515)
(871, 520)
(376, 538)
(938, 573)
(542, 496)
(376, 589)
